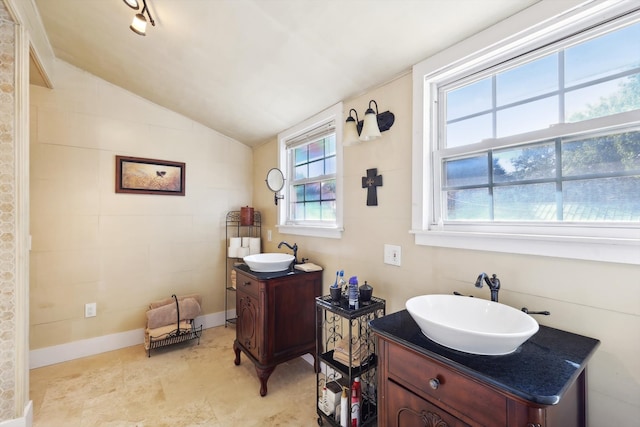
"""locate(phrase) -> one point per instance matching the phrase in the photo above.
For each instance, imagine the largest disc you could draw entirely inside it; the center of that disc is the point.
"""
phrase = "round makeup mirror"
(275, 182)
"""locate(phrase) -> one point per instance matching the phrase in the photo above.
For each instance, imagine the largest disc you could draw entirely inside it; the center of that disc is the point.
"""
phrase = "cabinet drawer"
(248, 285)
(405, 409)
(468, 397)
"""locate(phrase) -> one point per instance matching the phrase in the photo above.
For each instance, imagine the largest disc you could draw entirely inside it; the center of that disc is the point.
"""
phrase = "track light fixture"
(133, 4)
(368, 129)
(139, 23)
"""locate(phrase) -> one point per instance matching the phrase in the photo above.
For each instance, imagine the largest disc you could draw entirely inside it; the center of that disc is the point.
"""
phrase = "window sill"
(620, 250)
(303, 230)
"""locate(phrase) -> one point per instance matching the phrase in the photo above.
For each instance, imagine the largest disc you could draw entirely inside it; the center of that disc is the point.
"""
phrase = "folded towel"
(170, 300)
(358, 353)
(344, 359)
(168, 314)
(307, 267)
(162, 332)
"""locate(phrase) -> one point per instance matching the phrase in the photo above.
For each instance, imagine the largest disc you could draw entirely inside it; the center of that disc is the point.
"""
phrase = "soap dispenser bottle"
(344, 408)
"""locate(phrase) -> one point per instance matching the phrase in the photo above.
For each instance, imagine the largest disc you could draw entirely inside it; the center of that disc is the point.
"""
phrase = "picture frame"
(138, 175)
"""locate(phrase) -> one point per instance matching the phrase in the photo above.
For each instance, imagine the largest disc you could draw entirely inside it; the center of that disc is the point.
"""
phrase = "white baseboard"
(25, 421)
(91, 346)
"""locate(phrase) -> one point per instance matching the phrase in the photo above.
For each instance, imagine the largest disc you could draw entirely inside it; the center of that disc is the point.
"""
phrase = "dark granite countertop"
(540, 370)
(266, 276)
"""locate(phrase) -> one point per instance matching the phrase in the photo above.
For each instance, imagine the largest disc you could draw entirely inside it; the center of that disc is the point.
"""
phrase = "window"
(313, 182)
(537, 140)
(310, 158)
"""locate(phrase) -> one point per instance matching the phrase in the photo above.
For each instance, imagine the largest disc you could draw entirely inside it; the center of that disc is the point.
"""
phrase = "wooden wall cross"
(371, 182)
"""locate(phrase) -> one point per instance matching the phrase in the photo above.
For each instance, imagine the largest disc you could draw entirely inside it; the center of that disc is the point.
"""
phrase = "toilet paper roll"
(243, 252)
(254, 245)
(232, 252)
(235, 242)
(245, 242)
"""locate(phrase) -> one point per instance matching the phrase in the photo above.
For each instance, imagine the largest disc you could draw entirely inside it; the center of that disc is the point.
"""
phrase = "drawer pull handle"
(434, 383)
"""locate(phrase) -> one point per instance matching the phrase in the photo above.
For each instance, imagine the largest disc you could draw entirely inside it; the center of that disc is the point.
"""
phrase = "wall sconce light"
(368, 129)
(139, 23)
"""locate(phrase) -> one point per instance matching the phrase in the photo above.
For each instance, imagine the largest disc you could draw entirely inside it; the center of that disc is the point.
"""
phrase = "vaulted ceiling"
(252, 68)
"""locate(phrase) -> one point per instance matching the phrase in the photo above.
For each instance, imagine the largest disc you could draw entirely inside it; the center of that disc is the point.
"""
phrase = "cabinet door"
(247, 326)
(292, 308)
(405, 409)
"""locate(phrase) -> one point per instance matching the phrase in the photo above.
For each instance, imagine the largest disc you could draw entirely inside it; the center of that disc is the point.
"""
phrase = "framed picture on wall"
(149, 176)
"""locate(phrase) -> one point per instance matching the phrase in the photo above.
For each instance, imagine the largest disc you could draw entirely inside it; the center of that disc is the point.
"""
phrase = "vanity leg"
(263, 375)
(236, 349)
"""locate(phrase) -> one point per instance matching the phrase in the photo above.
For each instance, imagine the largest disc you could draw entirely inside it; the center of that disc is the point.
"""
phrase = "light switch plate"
(392, 255)
(90, 309)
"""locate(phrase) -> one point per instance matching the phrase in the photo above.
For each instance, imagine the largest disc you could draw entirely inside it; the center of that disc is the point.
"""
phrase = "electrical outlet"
(392, 255)
(90, 309)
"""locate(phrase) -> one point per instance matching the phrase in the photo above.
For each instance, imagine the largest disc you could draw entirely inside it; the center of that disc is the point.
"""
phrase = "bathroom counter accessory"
(543, 381)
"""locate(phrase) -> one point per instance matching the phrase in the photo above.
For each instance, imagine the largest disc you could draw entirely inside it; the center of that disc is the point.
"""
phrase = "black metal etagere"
(234, 228)
(336, 322)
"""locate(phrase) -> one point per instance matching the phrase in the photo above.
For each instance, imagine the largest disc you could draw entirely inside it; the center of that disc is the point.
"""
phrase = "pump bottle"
(344, 408)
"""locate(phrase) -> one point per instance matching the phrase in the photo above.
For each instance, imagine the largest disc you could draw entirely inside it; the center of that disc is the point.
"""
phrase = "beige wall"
(121, 250)
(601, 300)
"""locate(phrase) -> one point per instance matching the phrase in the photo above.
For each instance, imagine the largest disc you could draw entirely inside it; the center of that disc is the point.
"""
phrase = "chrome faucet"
(294, 248)
(493, 283)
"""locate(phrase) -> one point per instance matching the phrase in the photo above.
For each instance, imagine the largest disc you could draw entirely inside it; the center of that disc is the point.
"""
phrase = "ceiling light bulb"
(139, 24)
(133, 4)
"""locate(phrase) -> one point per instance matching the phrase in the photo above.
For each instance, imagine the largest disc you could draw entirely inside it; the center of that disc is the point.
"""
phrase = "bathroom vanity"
(541, 384)
(275, 317)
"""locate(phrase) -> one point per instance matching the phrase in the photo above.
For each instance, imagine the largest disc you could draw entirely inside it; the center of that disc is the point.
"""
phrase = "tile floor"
(181, 385)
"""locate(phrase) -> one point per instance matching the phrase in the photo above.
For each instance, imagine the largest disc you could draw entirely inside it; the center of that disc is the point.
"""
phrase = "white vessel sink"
(472, 325)
(268, 262)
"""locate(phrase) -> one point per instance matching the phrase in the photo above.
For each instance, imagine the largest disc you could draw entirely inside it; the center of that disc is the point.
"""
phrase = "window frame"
(544, 24)
(312, 228)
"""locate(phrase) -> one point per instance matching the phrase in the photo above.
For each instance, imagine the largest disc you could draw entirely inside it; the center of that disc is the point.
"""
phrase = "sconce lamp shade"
(370, 129)
(350, 134)
(139, 24)
(133, 4)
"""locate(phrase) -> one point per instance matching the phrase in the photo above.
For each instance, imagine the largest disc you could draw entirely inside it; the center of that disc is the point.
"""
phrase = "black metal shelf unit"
(338, 324)
(234, 228)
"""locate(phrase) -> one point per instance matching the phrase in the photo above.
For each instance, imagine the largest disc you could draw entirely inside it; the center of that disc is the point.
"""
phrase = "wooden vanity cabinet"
(275, 319)
(416, 390)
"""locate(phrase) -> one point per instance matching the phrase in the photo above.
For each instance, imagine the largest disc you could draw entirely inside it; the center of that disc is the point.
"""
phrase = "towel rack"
(177, 335)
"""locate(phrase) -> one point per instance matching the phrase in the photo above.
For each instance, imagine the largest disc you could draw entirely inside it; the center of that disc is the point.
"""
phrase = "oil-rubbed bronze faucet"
(493, 283)
(294, 248)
